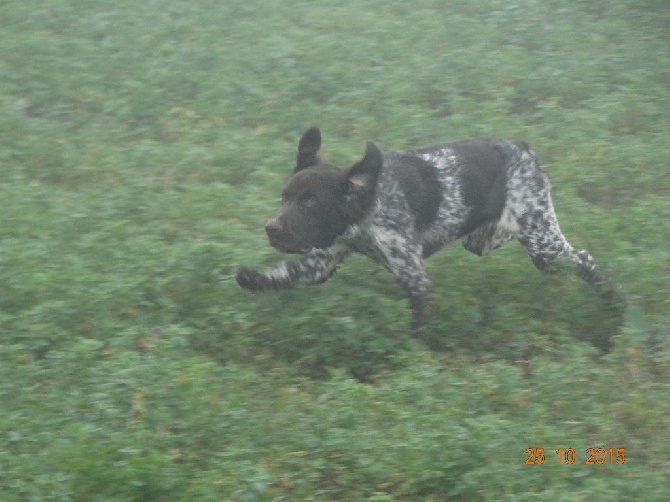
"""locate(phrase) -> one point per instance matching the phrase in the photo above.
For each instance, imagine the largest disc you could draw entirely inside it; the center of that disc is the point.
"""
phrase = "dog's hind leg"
(550, 251)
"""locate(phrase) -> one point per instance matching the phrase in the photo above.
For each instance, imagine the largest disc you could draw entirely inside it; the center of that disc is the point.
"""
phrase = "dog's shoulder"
(418, 183)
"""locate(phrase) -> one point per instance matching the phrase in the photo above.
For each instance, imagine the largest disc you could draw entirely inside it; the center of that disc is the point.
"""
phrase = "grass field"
(144, 144)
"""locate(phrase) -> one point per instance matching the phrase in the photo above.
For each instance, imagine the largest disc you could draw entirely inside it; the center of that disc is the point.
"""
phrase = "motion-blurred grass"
(143, 145)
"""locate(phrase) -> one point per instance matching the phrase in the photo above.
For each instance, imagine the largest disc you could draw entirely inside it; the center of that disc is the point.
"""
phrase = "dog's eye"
(308, 201)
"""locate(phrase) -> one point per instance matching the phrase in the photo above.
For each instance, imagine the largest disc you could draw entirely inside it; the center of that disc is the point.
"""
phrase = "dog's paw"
(250, 279)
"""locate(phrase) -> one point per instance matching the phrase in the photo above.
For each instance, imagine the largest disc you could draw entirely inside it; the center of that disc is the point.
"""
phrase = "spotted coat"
(399, 208)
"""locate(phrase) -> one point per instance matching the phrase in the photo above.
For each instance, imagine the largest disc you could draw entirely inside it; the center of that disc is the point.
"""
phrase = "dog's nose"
(273, 227)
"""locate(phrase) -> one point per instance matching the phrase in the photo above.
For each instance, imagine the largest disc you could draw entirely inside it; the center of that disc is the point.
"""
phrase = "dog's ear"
(308, 149)
(362, 179)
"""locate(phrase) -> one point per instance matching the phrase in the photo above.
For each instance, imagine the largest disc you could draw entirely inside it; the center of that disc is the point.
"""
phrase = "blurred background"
(143, 145)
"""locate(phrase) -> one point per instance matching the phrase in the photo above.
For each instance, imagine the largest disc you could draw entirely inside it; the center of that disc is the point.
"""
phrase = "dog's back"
(445, 192)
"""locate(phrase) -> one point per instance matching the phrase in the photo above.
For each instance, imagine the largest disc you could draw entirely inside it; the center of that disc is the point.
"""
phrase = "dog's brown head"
(321, 200)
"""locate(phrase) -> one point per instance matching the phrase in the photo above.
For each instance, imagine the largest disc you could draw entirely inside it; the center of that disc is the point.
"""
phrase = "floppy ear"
(308, 149)
(362, 179)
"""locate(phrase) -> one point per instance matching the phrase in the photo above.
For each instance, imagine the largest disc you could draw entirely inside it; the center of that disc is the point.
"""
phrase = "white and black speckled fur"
(407, 205)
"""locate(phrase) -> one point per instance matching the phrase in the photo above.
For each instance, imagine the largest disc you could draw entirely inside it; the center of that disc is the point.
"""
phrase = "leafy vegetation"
(143, 147)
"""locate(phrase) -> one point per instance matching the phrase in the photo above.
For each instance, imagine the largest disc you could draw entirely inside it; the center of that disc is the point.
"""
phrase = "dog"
(401, 207)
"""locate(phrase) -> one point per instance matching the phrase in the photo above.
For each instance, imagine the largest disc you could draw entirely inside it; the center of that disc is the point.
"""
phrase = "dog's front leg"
(404, 261)
(419, 302)
(315, 267)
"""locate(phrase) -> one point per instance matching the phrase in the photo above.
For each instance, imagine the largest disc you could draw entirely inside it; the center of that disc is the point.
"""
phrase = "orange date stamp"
(594, 456)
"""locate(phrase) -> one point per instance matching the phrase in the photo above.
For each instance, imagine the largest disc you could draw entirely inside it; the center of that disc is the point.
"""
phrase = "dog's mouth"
(290, 249)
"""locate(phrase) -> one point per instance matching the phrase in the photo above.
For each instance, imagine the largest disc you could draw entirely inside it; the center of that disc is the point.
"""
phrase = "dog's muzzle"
(278, 238)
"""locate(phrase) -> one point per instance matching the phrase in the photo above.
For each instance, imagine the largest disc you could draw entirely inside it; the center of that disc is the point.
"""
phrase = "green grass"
(143, 146)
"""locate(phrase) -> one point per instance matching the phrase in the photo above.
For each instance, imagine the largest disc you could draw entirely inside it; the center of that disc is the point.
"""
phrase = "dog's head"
(321, 200)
